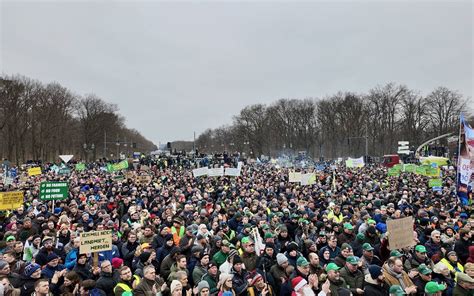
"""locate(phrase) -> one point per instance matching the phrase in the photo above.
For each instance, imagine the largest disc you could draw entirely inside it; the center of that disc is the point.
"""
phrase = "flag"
(465, 166)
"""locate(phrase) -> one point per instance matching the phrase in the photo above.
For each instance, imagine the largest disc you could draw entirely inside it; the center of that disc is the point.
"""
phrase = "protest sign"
(216, 172)
(400, 233)
(393, 171)
(64, 171)
(308, 179)
(294, 177)
(34, 171)
(117, 166)
(200, 172)
(80, 166)
(144, 179)
(95, 241)
(435, 183)
(233, 172)
(54, 190)
(11, 200)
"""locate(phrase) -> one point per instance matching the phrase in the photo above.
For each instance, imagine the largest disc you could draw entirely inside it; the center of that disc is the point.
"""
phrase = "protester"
(254, 234)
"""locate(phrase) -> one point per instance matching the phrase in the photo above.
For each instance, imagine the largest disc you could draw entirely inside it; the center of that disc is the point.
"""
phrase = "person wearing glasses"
(106, 281)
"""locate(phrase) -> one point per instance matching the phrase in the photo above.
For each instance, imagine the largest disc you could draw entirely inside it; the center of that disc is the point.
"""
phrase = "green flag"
(435, 183)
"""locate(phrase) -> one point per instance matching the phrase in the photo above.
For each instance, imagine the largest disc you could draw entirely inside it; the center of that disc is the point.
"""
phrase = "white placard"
(200, 172)
(233, 172)
(216, 172)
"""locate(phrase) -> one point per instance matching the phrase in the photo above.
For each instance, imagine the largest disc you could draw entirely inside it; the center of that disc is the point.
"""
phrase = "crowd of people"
(252, 235)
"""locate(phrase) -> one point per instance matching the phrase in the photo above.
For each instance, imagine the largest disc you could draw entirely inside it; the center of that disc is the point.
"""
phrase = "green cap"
(348, 226)
(395, 253)
(420, 249)
(322, 233)
(371, 221)
(367, 247)
(265, 227)
(247, 225)
(354, 260)
(360, 236)
(396, 290)
(280, 214)
(245, 240)
(302, 261)
(423, 269)
(346, 246)
(269, 235)
(332, 266)
(294, 216)
(434, 287)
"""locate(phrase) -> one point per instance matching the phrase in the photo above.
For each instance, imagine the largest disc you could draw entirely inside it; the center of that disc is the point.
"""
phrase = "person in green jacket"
(220, 257)
(212, 278)
(353, 276)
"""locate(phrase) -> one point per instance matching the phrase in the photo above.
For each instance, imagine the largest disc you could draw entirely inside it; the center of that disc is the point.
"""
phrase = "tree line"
(41, 121)
(338, 125)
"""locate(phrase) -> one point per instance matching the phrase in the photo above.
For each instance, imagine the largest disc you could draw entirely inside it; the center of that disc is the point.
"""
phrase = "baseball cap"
(423, 269)
(420, 249)
(433, 287)
(367, 247)
(348, 226)
(332, 266)
(395, 253)
(302, 261)
(354, 260)
(396, 290)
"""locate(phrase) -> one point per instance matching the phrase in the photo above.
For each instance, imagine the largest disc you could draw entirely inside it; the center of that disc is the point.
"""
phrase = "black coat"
(106, 282)
(375, 290)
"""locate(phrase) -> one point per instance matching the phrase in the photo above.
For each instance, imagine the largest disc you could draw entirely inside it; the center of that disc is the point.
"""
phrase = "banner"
(54, 190)
(80, 166)
(216, 172)
(355, 162)
(34, 171)
(400, 233)
(294, 177)
(308, 179)
(435, 183)
(95, 241)
(11, 200)
(465, 161)
(394, 172)
(232, 172)
(200, 172)
(117, 166)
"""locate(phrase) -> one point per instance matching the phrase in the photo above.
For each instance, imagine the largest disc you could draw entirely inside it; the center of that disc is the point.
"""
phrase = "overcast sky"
(177, 67)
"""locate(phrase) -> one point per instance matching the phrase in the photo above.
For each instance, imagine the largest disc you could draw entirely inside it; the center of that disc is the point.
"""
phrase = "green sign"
(421, 170)
(393, 171)
(80, 166)
(64, 171)
(410, 168)
(117, 166)
(54, 190)
(435, 183)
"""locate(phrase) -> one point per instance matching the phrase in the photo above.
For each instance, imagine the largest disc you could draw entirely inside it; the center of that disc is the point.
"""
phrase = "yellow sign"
(11, 200)
(95, 241)
(34, 171)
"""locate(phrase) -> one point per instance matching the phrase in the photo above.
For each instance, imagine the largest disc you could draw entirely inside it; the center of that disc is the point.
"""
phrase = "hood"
(370, 280)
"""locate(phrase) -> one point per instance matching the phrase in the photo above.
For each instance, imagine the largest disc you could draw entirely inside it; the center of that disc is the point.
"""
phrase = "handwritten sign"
(11, 200)
(95, 241)
(400, 233)
(144, 179)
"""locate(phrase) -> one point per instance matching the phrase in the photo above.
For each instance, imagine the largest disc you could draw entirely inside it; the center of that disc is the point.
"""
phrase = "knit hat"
(52, 256)
(255, 279)
(168, 237)
(298, 283)
(3, 263)
(202, 285)
(174, 285)
(144, 257)
(29, 269)
(236, 260)
(281, 258)
(375, 271)
(117, 262)
(223, 278)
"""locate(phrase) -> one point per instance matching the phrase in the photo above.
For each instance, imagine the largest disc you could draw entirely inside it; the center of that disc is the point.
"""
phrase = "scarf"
(398, 276)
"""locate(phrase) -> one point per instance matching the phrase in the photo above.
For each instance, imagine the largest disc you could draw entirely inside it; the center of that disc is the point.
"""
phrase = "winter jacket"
(354, 280)
(372, 288)
(106, 282)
